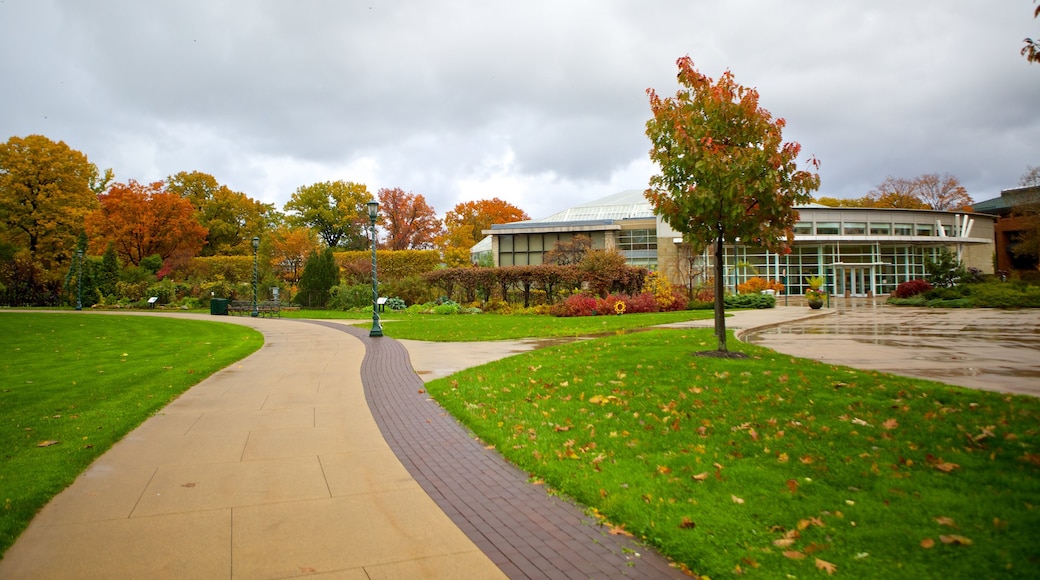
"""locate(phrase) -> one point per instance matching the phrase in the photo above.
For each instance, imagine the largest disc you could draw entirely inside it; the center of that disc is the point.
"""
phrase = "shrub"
(350, 296)
(757, 284)
(395, 303)
(447, 307)
(750, 301)
(411, 289)
(912, 288)
(575, 305)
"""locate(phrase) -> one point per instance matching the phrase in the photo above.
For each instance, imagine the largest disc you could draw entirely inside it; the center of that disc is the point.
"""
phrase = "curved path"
(318, 454)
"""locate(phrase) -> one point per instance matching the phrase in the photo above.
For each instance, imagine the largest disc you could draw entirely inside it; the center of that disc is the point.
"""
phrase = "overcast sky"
(540, 103)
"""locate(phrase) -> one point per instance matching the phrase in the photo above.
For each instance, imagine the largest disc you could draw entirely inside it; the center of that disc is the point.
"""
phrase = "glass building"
(858, 251)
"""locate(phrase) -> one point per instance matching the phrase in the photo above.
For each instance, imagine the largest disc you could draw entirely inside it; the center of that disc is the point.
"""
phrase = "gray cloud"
(542, 103)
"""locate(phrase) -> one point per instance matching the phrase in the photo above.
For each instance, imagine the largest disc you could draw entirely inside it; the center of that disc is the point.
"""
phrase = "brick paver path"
(524, 530)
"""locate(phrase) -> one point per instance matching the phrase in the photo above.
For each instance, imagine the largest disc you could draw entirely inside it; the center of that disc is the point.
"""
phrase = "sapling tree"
(725, 173)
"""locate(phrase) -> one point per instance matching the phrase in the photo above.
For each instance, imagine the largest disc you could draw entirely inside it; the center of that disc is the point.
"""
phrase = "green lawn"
(71, 385)
(770, 466)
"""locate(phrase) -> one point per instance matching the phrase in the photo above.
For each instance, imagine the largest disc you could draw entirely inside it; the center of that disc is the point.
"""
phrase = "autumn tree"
(465, 223)
(142, 220)
(896, 192)
(287, 249)
(410, 223)
(335, 210)
(943, 192)
(231, 218)
(725, 173)
(46, 189)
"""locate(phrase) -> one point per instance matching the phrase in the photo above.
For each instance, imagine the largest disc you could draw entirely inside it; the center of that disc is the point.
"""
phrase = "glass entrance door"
(856, 280)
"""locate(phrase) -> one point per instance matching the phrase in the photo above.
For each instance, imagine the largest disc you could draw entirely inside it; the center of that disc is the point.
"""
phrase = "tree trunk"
(720, 298)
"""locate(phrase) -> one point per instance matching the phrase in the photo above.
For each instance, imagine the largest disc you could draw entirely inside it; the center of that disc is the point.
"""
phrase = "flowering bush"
(912, 288)
(586, 305)
(757, 284)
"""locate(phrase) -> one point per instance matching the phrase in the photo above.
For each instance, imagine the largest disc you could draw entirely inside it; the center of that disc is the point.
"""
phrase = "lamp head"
(373, 210)
(256, 242)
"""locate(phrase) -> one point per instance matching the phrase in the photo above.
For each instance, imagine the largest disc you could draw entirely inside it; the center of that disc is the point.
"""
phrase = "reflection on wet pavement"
(990, 349)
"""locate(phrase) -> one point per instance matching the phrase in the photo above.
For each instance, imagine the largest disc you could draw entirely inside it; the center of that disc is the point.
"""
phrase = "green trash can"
(218, 306)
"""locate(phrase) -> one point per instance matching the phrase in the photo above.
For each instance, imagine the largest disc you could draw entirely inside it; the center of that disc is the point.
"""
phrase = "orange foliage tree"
(725, 172)
(288, 249)
(144, 220)
(465, 223)
(410, 223)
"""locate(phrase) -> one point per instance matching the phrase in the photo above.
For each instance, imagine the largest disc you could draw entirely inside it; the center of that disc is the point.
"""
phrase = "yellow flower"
(619, 307)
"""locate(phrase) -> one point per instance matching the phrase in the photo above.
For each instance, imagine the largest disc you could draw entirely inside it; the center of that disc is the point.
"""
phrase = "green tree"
(725, 172)
(46, 189)
(336, 210)
(320, 275)
(230, 217)
(945, 270)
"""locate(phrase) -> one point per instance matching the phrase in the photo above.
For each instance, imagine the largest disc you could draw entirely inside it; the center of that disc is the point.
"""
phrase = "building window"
(880, 229)
(855, 228)
(904, 229)
(803, 229)
(924, 230)
(827, 229)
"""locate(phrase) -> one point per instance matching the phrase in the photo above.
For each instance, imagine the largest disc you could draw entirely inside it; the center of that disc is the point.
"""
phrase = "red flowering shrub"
(912, 288)
(576, 305)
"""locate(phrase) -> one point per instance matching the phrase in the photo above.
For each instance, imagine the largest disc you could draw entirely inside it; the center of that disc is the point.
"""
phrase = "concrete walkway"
(272, 468)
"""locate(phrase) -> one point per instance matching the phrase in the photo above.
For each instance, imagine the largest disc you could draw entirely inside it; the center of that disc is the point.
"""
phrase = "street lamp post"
(79, 279)
(256, 246)
(373, 214)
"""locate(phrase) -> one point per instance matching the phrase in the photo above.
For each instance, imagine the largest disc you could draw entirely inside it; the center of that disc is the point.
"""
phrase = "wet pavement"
(981, 348)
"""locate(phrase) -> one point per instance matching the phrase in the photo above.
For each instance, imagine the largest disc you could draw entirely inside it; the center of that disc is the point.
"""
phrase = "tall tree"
(943, 192)
(896, 192)
(336, 210)
(410, 223)
(725, 172)
(143, 220)
(320, 274)
(46, 189)
(466, 222)
(1031, 178)
(231, 218)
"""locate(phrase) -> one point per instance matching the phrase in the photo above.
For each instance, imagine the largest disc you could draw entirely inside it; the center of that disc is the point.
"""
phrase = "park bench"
(265, 308)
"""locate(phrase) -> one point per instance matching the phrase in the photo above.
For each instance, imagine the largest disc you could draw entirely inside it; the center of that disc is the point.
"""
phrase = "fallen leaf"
(794, 555)
(701, 476)
(945, 521)
(826, 566)
(945, 466)
(890, 424)
(792, 485)
(664, 469)
(736, 499)
(189, 484)
(955, 539)
(927, 543)
(687, 524)
(47, 443)
(783, 542)
(782, 458)
(618, 531)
